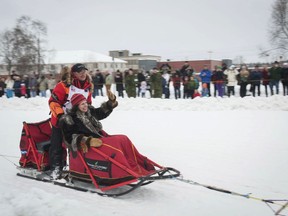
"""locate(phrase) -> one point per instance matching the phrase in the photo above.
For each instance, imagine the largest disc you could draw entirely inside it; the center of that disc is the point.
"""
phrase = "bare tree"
(34, 32)
(279, 26)
(23, 46)
(23, 51)
(6, 48)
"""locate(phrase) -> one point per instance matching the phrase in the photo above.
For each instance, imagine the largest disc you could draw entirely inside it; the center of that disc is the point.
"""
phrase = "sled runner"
(103, 171)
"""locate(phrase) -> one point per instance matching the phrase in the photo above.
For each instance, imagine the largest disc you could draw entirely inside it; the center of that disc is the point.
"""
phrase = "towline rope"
(282, 203)
(9, 156)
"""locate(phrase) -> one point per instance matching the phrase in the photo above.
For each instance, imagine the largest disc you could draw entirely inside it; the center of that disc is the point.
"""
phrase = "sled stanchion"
(88, 169)
(116, 163)
(31, 147)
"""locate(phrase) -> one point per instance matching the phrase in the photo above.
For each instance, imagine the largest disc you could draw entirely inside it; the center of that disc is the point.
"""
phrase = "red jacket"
(176, 82)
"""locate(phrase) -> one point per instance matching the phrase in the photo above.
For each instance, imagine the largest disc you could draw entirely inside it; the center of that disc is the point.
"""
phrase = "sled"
(94, 177)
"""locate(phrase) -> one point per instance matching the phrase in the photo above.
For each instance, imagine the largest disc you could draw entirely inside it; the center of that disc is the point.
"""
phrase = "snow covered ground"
(238, 144)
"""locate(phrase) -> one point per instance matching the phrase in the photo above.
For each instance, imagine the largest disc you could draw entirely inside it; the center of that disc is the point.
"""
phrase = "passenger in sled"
(82, 130)
(80, 125)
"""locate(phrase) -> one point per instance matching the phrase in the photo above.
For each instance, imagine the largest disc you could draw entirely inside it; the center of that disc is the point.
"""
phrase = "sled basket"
(35, 144)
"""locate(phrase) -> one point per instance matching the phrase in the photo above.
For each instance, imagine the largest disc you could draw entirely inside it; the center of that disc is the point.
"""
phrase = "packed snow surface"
(238, 144)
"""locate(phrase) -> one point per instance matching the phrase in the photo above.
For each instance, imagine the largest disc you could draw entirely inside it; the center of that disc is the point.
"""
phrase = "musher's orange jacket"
(59, 97)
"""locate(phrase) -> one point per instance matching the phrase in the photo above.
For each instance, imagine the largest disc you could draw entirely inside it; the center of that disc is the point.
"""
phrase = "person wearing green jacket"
(190, 86)
(156, 83)
(130, 84)
(275, 76)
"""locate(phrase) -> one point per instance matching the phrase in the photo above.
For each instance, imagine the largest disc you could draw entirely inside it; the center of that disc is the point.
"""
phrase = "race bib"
(74, 90)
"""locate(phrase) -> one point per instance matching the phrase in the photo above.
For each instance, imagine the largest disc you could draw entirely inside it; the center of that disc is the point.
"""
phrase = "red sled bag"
(106, 172)
(35, 144)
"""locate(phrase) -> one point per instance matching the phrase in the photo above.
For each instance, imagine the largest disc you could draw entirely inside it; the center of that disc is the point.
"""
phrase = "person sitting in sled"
(73, 80)
(82, 130)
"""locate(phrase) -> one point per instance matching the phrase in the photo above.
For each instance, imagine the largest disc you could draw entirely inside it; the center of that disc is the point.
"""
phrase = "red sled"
(100, 171)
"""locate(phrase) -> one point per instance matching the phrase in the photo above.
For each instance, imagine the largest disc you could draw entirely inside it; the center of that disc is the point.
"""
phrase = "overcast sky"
(172, 29)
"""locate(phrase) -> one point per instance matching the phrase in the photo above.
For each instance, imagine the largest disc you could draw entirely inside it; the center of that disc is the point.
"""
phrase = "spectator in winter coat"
(17, 86)
(119, 83)
(243, 80)
(9, 87)
(197, 81)
(284, 78)
(82, 130)
(147, 77)
(140, 79)
(33, 85)
(25, 80)
(2, 86)
(231, 74)
(130, 84)
(191, 86)
(275, 76)
(23, 88)
(156, 83)
(255, 80)
(223, 68)
(219, 81)
(205, 76)
(51, 82)
(185, 87)
(166, 84)
(98, 82)
(43, 85)
(265, 79)
(108, 81)
(176, 80)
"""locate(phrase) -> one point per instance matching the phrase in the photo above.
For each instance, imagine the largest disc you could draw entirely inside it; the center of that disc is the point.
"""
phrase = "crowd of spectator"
(27, 86)
(187, 83)
(184, 82)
